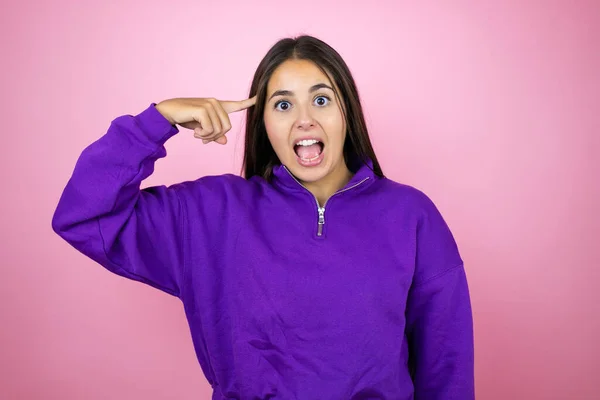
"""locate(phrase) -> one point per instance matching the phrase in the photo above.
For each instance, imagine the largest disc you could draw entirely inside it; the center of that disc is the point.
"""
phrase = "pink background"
(490, 107)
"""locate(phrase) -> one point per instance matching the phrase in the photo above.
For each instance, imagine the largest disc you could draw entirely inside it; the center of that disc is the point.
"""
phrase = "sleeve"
(137, 234)
(439, 316)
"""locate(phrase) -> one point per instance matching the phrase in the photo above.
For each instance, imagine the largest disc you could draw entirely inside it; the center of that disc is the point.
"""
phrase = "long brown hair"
(259, 156)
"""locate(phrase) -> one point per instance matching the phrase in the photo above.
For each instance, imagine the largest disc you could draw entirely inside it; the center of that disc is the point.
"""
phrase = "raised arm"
(138, 234)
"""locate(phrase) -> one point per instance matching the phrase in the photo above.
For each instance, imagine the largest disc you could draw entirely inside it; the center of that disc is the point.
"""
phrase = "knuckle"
(203, 112)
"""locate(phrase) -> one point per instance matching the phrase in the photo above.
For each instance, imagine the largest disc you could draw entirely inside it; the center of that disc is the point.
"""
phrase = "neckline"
(283, 177)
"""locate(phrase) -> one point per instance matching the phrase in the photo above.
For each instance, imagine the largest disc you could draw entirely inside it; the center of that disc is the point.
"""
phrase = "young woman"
(311, 277)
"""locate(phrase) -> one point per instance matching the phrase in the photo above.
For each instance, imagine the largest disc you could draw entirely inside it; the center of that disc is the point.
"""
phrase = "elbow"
(63, 221)
(58, 223)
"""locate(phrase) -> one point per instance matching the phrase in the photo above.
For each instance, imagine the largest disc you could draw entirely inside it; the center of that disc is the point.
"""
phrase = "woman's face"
(305, 122)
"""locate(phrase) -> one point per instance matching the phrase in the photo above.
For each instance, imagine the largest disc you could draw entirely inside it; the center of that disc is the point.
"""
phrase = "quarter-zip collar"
(363, 175)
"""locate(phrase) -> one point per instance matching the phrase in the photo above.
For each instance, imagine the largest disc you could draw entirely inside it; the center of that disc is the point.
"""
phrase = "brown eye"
(282, 105)
(322, 100)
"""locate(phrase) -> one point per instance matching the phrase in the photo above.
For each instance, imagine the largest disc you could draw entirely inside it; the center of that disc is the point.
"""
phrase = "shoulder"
(216, 186)
(406, 197)
(436, 247)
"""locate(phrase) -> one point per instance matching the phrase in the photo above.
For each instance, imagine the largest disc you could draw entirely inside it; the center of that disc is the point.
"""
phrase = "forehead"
(296, 75)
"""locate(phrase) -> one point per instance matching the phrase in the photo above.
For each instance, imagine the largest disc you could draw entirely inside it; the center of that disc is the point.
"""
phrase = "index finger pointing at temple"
(233, 106)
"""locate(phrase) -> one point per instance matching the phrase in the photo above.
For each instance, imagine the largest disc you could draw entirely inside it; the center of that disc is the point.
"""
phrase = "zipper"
(321, 221)
(321, 210)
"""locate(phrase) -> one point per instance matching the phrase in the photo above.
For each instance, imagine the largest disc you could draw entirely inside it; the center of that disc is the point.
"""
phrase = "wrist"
(161, 108)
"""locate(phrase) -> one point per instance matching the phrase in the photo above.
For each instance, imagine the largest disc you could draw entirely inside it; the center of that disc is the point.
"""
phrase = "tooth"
(306, 142)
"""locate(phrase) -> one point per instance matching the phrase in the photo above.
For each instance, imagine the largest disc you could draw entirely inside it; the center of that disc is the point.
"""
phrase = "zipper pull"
(321, 221)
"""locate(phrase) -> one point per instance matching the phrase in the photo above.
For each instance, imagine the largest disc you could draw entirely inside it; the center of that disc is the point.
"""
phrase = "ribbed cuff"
(156, 127)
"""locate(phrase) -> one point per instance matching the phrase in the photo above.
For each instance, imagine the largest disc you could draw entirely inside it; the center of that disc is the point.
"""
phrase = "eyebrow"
(290, 93)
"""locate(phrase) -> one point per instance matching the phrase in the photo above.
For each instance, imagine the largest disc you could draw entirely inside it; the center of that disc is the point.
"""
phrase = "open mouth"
(308, 150)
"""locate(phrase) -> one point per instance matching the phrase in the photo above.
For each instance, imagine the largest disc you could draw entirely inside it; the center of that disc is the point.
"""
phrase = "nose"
(305, 120)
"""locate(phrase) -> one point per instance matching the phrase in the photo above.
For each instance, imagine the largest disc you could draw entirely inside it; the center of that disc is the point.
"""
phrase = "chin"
(309, 176)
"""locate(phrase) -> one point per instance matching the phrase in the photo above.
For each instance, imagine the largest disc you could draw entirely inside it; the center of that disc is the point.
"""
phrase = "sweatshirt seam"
(439, 275)
(133, 274)
(184, 244)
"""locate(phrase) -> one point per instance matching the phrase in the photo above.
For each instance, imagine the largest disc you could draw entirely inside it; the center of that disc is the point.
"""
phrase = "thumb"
(234, 106)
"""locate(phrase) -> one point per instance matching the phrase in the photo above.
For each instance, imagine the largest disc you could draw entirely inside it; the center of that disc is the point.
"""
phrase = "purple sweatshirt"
(366, 298)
